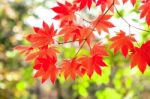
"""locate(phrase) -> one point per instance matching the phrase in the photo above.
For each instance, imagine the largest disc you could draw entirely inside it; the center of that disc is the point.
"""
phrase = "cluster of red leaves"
(103, 3)
(123, 42)
(132, 1)
(42, 52)
(43, 49)
(141, 56)
(145, 11)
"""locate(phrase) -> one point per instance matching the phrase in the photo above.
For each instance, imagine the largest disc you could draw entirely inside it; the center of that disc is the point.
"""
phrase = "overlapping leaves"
(43, 49)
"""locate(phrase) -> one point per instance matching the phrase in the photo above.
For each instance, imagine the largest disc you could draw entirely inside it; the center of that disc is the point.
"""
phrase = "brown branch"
(68, 42)
(94, 28)
(128, 22)
(83, 18)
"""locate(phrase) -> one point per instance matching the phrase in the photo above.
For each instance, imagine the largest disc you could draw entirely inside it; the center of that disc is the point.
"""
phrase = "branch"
(94, 28)
(83, 18)
(68, 41)
(128, 22)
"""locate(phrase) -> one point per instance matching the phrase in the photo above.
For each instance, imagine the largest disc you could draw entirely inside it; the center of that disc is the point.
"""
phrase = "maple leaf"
(77, 32)
(43, 52)
(86, 34)
(72, 68)
(95, 61)
(144, 1)
(65, 12)
(46, 68)
(141, 57)
(70, 31)
(24, 49)
(43, 36)
(145, 11)
(91, 64)
(123, 42)
(106, 4)
(146, 48)
(99, 49)
(84, 3)
(132, 1)
(102, 24)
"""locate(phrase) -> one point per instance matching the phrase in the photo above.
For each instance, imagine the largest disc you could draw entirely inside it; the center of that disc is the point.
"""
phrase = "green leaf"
(83, 92)
(21, 85)
(69, 52)
(108, 93)
(121, 14)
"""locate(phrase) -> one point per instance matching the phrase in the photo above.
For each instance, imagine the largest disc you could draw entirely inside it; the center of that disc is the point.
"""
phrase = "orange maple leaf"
(106, 4)
(132, 1)
(70, 31)
(102, 24)
(65, 12)
(123, 42)
(42, 36)
(84, 3)
(99, 49)
(91, 64)
(72, 68)
(86, 34)
(141, 56)
(95, 61)
(145, 11)
(43, 52)
(46, 68)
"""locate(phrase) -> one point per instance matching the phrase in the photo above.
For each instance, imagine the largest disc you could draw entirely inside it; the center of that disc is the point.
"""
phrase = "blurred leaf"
(108, 93)
(102, 79)
(69, 52)
(21, 85)
(121, 12)
(83, 91)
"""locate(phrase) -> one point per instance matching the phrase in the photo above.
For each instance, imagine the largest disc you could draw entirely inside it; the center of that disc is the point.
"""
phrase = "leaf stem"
(94, 28)
(68, 42)
(83, 18)
(128, 22)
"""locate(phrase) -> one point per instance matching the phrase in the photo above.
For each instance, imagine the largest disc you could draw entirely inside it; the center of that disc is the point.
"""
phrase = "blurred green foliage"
(16, 76)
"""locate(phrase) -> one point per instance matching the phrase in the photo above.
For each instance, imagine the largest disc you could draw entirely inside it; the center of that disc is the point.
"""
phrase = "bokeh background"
(17, 17)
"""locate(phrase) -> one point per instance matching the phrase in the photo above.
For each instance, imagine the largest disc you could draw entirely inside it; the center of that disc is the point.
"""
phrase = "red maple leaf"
(86, 34)
(65, 12)
(76, 32)
(145, 11)
(141, 56)
(95, 61)
(24, 49)
(84, 3)
(43, 52)
(72, 68)
(106, 4)
(70, 31)
(146, 49)
(91, 64)
(102, 24)
(46, 68)
(123, 42)
(132, 1)
(42, 36)
(99, 49)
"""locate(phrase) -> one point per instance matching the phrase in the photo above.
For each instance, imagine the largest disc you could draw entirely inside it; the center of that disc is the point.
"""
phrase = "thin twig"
(83, 18)
(93, 29)
(68, 41)
(128, 22)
